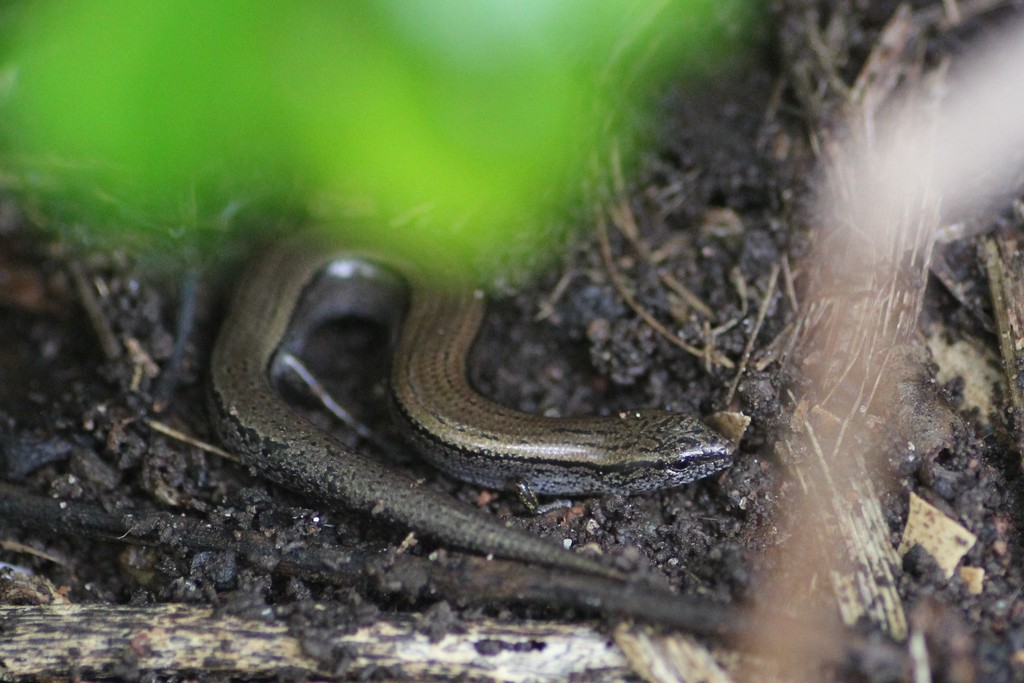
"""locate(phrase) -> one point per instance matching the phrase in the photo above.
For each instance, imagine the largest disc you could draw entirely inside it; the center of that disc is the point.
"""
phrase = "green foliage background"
(453, 123)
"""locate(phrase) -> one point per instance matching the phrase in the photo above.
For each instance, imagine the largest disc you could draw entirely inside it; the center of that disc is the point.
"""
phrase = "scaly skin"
(254, 421)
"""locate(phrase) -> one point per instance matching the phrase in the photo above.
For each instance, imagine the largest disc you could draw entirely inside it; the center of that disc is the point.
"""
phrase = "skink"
(301, 284)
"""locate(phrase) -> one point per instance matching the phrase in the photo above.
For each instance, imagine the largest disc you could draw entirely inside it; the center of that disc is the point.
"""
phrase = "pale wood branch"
(102, 641)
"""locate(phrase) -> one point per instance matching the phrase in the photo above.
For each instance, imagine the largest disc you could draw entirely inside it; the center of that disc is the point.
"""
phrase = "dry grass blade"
(864, 287)
(708, 354)
(1005, 267)
(761, 313)
(173, 433)
(94, 311)
(623, 219)
(889, 182)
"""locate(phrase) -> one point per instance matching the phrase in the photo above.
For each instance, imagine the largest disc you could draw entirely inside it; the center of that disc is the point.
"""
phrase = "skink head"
(673, 449)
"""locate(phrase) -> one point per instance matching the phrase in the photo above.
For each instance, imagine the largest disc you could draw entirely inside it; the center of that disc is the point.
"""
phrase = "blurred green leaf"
(475, 117)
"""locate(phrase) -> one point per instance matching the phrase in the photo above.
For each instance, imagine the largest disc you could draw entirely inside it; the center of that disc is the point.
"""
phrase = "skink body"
(301, 284)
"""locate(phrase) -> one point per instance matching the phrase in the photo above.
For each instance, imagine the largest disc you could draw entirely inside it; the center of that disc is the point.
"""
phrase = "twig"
(15, 547)
(463, 579)
(1005, 271)
(167, 430)
(177, 641)
(790, 286)
(942, 18)
(622, 217)
(761, 313)
(707, 354)
(671, 657)
(546, 307)
(183, 329)
(330, 565)
(104, 331)
(327, 401)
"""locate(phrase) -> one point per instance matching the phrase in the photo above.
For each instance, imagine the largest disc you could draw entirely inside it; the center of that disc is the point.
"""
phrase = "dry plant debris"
(976, 365)
(943, 538)
(105, 641)
(710, 285)
(659, 658)
(1004, 264)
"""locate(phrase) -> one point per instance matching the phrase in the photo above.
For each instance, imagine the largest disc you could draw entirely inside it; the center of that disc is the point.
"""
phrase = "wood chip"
(976, 365)
(665, 658)
(731, 425)
(941, 537)
(973, 578)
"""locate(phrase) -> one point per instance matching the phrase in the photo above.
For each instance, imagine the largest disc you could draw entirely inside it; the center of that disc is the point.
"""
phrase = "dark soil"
(718, 200)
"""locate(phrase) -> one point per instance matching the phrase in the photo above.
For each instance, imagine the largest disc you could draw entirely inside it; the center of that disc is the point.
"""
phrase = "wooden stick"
(89, 641)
